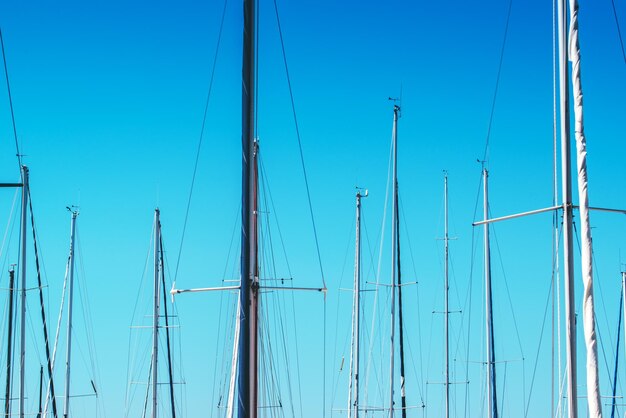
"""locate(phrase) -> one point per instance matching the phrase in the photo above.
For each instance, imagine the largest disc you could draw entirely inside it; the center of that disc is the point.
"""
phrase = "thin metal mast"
(40, 413)
(446, 307)
(167, 330)
(248, 373)
(353, 390)
(566, 190)
(624, 304)
(394, 139)
(25, 190)
(400, 319)
(492, 403)
(7, 393)
(619, 329)
(70, 306)
(155, 313)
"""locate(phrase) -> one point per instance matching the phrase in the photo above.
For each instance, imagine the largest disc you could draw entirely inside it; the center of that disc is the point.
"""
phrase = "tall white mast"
(446, 308)
(155, 317)
(353, 387)
(394, 138)
(566, 190)
(25, 190)
(70, 306)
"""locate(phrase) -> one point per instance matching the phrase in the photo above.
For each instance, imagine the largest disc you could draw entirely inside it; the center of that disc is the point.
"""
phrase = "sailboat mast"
(619, 329)
(624, 304)
(155, 313)
(167, 330)
(248, 373)
(353, 390)
(70, 307)
(7, 393)
(394, 140)
(400, 319)
(40, 413)
(566, 190)
(25, 191)
(492, 403)
(446, 307)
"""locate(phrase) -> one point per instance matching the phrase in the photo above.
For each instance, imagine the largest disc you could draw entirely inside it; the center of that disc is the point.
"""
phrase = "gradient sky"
(109, 98)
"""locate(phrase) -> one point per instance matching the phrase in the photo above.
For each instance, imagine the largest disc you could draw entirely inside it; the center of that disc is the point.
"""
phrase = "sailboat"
(355, 365)
(568, 51)
(160, 323)
(26, 205)
(250, 287)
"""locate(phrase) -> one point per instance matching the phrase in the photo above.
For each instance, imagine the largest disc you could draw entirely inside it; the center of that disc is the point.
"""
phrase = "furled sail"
(593, 390)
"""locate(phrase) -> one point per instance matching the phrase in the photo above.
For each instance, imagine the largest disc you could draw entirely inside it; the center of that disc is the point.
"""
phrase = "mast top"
(396, 105)
(74, 209)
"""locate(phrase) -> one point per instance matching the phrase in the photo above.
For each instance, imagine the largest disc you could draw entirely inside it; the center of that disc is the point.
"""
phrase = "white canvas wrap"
(593, 389)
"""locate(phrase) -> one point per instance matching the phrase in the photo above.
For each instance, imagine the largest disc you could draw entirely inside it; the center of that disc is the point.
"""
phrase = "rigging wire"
(508, 293)
(380, 257)
(532, 380)
(200, 140)
(295, 119)
(595, 317)
(495, 92)
(272, 265)
(268, 195)
(419, 320)
(231, 324)
(335, 382)
(10, 224)
(308, 192)
(6, 76)
(88, 325)
(167, 328)
(468, 298)
(41, 301)
(130, 394)
(58, 329)
(619, 31)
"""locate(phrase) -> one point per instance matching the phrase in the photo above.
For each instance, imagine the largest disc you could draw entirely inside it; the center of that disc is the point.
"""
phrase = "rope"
(380, 256)
(195, 167)
(619, 32)
(43, 311)
(295, 120)
(495, 92)
(308, 192)
(419, 318)
(532, 380)
(6, 76)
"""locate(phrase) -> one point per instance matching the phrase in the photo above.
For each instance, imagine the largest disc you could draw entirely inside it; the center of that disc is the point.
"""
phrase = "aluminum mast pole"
(247, 382)
(155, 313)
(25, 191)
(7, 394)
(492, 403)
(566, 190)
(446, 308)
(70, 305)
(624, 304)
(40, 413)
(353, 390)
(394, 139)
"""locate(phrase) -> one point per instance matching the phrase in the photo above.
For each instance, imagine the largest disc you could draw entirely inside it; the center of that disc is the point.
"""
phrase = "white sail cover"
(593, 389)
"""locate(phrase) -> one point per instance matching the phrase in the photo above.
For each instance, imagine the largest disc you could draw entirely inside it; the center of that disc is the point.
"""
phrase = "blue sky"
(109, 98)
